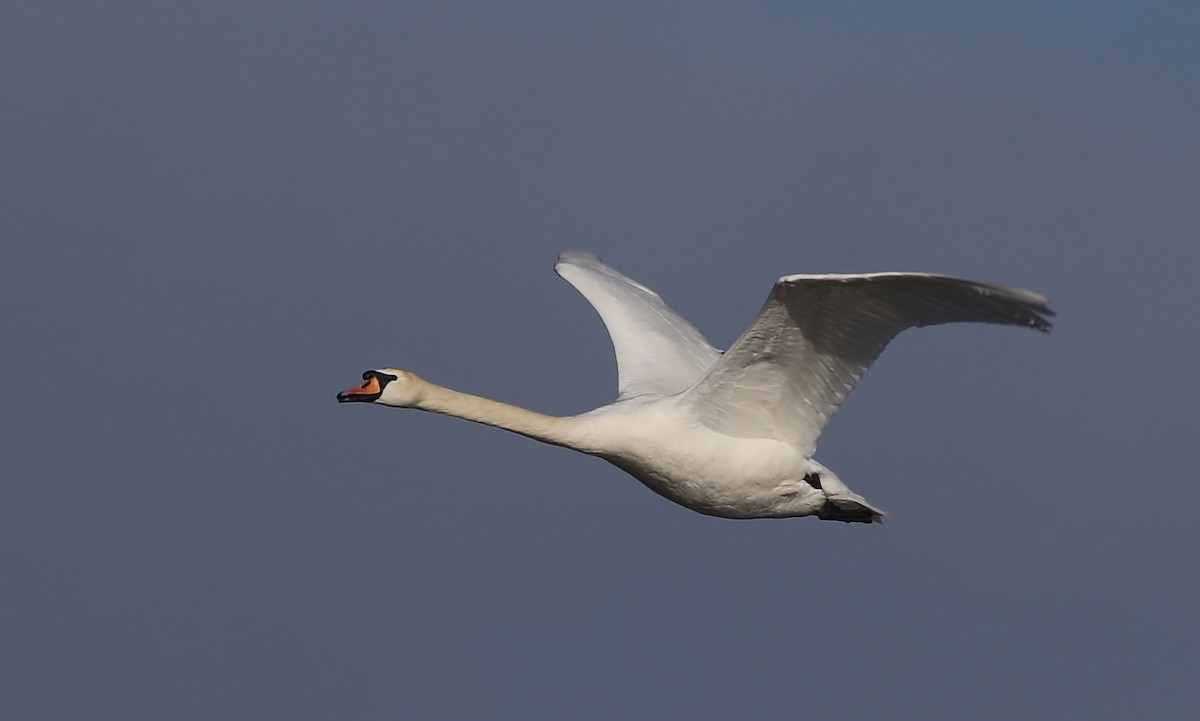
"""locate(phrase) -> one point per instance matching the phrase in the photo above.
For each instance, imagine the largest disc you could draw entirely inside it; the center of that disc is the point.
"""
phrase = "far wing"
(657, 350)
(818, 334)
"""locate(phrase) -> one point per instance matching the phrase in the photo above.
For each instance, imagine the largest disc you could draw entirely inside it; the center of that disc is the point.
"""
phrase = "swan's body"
(731, 435)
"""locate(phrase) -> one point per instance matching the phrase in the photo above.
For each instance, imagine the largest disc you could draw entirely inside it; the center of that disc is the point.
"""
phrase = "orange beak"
(368, 391)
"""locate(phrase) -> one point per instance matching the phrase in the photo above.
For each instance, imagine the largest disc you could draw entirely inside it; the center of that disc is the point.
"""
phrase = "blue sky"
(218, 215)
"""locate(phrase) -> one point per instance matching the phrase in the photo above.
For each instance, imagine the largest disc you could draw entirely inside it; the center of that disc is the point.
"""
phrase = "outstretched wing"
(657, 350)
(818, 334)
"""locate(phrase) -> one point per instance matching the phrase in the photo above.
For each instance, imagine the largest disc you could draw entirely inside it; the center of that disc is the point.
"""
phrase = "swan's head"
(386, 386)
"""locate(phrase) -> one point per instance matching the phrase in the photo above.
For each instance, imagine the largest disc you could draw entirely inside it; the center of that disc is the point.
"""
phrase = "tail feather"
(841, 503)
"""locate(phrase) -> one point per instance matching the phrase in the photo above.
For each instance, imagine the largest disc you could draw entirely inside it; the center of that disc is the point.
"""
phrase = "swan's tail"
(841, 503)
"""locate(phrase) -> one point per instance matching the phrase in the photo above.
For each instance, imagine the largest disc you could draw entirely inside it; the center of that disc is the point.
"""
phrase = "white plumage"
(731, 434)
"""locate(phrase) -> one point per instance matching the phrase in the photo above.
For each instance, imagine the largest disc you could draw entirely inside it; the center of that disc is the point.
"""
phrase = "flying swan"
(731, 434)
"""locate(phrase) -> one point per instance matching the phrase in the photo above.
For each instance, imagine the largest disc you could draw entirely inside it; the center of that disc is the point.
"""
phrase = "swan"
(730, 434)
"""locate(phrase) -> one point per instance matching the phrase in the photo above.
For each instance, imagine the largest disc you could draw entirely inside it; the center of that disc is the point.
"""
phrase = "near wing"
(657, 350)
(817, 335)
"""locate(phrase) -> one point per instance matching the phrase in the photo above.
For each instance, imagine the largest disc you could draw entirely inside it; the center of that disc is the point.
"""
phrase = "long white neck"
(569, 431)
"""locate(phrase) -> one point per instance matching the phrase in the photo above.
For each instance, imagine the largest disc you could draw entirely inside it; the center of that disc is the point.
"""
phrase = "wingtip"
(1035, 307)
(577, 256)
(1040, 312)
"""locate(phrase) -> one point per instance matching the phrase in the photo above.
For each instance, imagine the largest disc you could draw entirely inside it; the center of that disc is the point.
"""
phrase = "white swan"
(731, 435)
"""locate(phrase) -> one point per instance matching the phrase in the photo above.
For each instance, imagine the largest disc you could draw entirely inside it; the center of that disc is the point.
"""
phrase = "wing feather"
(818, 334)
(657, 350)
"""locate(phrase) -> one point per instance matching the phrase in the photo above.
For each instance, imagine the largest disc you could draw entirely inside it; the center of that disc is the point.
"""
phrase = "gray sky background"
(216, 215)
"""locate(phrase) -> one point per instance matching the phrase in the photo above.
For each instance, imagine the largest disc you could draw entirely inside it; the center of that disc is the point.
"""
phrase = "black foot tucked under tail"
(855, 514)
